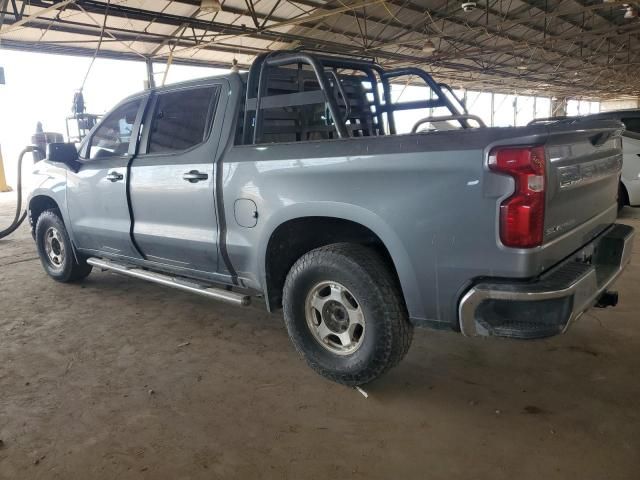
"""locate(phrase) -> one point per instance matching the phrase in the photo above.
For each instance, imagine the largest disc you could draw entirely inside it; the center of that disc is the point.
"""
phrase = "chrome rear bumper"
(547, 305)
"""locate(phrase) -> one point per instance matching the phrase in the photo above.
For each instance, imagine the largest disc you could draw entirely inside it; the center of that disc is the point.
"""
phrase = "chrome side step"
(215, 293)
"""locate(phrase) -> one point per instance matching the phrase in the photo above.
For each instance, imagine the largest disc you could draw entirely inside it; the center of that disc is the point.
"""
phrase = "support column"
(151, 82)
(558, 107)
(3, 180)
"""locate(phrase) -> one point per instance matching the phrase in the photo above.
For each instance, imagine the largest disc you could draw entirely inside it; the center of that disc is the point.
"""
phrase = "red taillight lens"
(522, 214)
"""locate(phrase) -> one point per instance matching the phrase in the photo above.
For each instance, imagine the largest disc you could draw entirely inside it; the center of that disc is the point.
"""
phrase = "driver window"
(112, 137)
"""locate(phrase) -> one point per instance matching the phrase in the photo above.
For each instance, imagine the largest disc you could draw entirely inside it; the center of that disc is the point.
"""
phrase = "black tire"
(67, 269)
(623, 199)
(387, 332)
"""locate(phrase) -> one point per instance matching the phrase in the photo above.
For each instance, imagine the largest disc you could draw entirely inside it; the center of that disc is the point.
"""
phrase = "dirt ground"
(117, 379)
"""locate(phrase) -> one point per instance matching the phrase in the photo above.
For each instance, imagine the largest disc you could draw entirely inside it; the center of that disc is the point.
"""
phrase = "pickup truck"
(296, 183)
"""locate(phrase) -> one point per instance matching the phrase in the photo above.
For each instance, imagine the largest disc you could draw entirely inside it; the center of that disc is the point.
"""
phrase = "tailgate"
(584, 164)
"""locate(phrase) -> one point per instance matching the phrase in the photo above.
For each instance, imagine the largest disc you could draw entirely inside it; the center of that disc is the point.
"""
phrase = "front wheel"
(55, 249)
(345, 314)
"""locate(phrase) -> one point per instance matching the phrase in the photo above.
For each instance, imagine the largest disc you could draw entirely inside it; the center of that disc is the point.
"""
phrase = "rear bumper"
(547, 305)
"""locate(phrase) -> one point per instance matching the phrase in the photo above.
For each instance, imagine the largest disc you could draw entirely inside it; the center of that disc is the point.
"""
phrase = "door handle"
(194, 176)
(114, 176)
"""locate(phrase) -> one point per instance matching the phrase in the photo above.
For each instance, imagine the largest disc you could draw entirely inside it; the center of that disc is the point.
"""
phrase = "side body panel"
(394, 195)
(430, 199)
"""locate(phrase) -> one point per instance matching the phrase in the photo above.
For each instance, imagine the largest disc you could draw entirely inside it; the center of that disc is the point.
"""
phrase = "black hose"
(18, 219)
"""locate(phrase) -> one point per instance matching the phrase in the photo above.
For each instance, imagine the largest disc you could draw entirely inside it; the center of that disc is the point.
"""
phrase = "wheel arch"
(300, 228)
(38, 204)
(41, 201)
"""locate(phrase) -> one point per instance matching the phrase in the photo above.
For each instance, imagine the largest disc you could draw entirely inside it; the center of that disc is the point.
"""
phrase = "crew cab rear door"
(97, 192)
(172, 178)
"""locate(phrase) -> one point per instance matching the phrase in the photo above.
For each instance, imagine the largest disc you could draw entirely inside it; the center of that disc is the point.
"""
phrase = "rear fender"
(356, 214)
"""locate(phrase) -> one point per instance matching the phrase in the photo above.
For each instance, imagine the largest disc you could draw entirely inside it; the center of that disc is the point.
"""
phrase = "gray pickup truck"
(296, 183)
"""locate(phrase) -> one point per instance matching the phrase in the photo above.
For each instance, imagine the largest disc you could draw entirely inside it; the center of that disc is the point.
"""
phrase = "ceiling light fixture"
(630, 12)
(468, 6)
(210, 5)
(428, 47)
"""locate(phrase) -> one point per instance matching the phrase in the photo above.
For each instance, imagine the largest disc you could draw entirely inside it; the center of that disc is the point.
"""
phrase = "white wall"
(40, 87)
(609, 105)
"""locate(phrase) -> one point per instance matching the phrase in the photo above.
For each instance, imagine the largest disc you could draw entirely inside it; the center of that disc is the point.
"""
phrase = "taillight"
(522, 214)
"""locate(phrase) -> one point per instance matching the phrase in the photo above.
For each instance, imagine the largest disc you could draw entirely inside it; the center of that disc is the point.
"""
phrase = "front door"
(172, 179)
(96, 194)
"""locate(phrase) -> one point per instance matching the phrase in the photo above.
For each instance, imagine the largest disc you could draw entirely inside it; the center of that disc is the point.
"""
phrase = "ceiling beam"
(485, 62)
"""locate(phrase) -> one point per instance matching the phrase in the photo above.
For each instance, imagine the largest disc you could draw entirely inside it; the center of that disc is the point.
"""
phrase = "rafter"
(563, 45)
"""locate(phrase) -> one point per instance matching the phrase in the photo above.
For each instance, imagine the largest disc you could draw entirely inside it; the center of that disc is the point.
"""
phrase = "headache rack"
(297, 95)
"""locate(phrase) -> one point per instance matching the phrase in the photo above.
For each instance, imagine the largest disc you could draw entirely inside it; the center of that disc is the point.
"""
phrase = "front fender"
(51, 181)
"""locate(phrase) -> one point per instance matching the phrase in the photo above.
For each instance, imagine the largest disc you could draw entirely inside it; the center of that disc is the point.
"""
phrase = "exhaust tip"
(609, 298)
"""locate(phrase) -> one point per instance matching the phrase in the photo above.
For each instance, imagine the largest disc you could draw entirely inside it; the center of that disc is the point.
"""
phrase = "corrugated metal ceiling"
(577, 48)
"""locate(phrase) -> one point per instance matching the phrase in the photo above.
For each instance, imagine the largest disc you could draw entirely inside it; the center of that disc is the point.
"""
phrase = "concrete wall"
(608, 105)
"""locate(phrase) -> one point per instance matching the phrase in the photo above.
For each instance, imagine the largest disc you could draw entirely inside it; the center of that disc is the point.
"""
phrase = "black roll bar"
(323, 82)
(441, 99)
(340, 88)
(370, 69)
(444, 86)
(444, 118)
(257, 82)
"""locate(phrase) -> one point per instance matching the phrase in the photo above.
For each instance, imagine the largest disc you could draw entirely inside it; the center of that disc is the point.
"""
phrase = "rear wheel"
(55, 249)
(345, 314)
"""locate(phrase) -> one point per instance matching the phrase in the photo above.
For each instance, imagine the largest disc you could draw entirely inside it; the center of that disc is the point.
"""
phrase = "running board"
(166, 280)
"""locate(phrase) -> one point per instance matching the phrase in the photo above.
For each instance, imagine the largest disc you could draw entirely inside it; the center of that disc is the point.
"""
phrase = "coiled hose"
(18, 219)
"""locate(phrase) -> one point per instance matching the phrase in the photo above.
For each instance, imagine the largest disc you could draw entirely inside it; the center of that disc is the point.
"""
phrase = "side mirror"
(65, 153)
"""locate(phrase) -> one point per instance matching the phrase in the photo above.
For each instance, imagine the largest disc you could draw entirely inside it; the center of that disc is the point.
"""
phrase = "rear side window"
(182, 119)
(112, 137)
(632, 124)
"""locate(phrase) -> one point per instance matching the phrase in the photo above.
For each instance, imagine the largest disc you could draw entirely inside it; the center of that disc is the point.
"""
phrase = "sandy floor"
(119, 379)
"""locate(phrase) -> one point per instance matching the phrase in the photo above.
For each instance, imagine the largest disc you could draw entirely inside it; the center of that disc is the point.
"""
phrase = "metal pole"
(3, 180)
(166, 68)
(493, 109)
(151, 83)
(4, 4)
